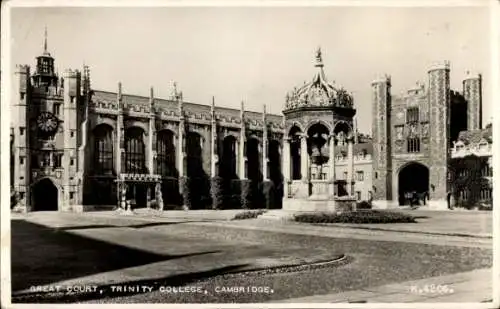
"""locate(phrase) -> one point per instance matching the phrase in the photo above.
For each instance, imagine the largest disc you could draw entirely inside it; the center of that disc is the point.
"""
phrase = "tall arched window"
(253, 159)
(228, 162)
(103, 149)
(194, 155)
(135, 157)
(165, 150)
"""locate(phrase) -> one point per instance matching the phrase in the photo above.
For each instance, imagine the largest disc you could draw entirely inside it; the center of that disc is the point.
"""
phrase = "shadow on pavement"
(41, 255)
(107, 291)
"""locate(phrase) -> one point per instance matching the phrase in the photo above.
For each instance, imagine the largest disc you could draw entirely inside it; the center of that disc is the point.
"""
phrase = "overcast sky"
(257, 54)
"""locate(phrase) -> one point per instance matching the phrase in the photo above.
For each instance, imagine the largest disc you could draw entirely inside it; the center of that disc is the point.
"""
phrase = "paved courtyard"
(105, 257)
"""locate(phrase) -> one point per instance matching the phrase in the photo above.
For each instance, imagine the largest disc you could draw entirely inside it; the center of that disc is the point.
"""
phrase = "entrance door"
(137, 193)
(45, 196)
(141, 195)
(413, 178)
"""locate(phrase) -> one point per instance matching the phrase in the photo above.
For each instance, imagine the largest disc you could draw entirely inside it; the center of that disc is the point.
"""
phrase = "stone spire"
(151, 99)
(45, 52)
(212, 108)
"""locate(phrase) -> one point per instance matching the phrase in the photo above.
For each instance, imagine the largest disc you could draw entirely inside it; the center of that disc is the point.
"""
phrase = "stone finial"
(212, 108)
(151, 97)
(319, 58)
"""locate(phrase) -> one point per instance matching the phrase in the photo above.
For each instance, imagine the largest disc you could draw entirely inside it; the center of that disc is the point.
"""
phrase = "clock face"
(47, 122)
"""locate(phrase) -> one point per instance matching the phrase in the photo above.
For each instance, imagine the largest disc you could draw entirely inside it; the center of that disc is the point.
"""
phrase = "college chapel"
(75, 148)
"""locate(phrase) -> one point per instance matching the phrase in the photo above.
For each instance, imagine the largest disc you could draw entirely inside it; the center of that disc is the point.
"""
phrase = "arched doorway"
(45, 196)
(318, 136)
(414, 177)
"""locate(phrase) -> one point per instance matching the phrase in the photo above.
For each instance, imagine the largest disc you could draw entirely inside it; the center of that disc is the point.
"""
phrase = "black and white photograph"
(266, 154)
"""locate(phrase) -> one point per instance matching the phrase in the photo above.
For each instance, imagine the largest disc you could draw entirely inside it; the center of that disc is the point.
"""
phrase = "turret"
(71, 96)
(381, 131)
(439, 117)
(45, 75)
(472, 91)
(21, 134)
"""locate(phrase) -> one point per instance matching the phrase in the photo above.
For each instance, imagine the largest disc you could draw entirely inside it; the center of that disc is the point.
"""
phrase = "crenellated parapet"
(105, 103)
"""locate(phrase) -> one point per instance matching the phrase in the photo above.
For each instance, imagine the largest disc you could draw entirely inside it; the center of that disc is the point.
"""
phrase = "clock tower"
(45, 135)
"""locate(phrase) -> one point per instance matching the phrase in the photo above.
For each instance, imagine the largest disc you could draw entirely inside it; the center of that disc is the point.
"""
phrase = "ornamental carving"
(399, 133)
(425, 129)
(412, 131)
(318, 93)
(399, 145)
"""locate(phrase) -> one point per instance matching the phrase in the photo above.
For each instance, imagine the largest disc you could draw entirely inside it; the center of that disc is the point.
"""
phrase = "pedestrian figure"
(414, 200)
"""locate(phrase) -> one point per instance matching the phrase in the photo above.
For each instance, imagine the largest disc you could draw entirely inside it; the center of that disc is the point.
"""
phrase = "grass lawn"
(372, 263)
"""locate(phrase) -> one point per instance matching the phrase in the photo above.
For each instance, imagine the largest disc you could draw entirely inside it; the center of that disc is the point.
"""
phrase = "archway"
(414, 177)
(45, 196)
(295, 154)
(318, 140)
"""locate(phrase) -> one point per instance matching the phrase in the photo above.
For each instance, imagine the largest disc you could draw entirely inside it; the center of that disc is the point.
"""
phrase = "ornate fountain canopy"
(318, 93)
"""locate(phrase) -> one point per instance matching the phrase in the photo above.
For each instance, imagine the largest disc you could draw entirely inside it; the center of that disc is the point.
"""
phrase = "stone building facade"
(75, 148)
(414, 135)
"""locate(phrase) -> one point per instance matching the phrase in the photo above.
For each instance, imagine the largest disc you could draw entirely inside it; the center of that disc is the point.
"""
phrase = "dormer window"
(459, 146)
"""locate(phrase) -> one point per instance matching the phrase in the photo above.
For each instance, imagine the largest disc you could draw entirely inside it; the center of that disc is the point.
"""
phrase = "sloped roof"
(475, 136)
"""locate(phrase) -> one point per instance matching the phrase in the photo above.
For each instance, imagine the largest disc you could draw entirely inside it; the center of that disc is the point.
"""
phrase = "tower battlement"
(23, 68)
(443, 65)
(385, 78)
(69, 73)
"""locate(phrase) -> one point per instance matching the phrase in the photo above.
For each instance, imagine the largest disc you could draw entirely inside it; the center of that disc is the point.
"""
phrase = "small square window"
(21, 195)
(71, 195)
(21, 130)
(21, 160)
(72, 133)
(22, 95)
(21, 177)
(72, 162)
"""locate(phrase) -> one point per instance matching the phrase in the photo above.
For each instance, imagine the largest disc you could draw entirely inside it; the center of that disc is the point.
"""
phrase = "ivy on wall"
(467, 177)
